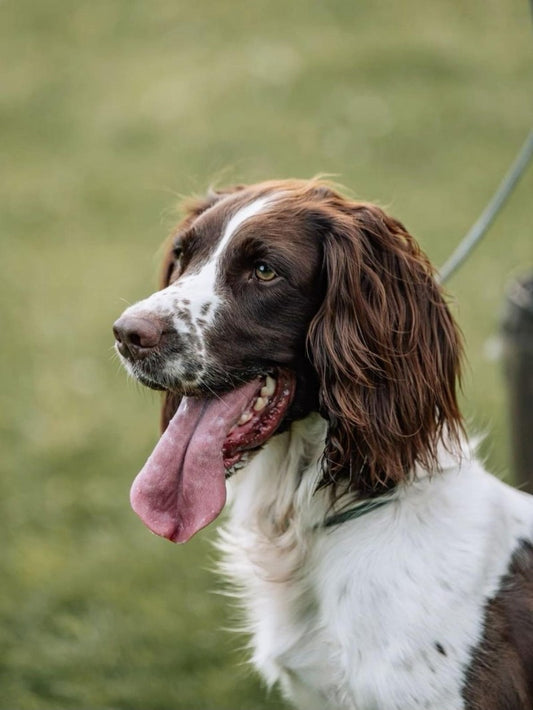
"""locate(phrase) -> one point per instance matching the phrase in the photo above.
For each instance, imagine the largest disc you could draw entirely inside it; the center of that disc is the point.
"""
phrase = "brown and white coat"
(310, 362)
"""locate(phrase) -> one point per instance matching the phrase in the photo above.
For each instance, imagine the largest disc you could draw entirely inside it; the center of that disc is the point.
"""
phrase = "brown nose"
(137, 337)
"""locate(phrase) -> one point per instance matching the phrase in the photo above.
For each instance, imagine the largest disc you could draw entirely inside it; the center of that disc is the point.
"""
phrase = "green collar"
(355, 512)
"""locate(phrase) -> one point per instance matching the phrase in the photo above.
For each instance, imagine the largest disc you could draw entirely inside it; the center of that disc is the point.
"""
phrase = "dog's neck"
(277, 506)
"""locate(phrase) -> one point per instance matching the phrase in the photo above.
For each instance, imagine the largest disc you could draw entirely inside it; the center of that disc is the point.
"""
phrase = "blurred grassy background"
(109, 110)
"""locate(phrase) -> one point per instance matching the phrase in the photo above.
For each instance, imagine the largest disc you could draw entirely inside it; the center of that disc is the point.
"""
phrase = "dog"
(310, 365)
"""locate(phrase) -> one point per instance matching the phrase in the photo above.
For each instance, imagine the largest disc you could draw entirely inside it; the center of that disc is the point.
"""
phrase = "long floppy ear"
(192, 208)
(386, 350)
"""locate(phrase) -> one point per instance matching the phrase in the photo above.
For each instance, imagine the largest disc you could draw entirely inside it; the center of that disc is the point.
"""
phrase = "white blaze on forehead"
(254, 208)
(200, 287)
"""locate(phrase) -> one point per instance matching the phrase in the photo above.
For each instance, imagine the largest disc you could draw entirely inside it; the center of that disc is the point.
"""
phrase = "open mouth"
(260, 419)
(181, 488)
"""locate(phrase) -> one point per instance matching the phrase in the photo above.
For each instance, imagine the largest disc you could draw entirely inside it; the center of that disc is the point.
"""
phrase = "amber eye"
(264, 272)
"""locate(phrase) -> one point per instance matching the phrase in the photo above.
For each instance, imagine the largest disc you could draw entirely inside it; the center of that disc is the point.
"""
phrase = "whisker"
(215, 394)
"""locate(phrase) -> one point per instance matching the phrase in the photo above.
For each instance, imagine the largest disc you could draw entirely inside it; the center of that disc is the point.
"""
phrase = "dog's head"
(279, 299)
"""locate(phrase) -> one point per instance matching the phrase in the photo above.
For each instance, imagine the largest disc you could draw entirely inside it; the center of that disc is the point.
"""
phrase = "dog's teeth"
(269, 388)
(245, 417)
(259, 404)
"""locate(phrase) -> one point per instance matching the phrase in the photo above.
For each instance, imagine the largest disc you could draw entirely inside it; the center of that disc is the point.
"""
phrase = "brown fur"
(501, 674)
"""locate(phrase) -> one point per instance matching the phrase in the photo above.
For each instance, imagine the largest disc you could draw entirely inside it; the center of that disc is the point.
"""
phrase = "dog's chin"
(151, 381)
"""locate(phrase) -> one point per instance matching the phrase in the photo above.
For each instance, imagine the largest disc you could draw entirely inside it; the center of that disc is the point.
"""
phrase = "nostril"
(146, 334)
(135, 336)
(136, 339)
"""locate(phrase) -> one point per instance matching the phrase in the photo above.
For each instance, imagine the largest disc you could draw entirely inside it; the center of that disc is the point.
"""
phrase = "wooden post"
(517, 330)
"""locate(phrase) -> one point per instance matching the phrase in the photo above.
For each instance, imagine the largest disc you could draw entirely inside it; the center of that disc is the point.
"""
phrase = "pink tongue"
(181, 487)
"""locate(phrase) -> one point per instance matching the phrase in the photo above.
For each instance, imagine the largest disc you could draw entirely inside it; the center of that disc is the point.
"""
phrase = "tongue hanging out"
(181, 487)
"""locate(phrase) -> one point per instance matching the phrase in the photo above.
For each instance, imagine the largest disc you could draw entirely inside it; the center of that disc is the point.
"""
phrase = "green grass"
(109, 111)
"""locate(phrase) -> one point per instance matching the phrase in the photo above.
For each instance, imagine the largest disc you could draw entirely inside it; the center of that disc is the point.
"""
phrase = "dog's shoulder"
(501, 672)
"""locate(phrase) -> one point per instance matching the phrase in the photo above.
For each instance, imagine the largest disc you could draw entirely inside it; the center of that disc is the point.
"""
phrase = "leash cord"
(480, 227)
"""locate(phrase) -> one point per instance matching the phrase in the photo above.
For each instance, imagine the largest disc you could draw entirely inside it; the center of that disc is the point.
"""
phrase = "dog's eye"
(263, 272)
(177, 251)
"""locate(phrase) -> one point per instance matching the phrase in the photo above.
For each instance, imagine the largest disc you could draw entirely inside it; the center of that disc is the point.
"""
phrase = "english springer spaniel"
(309, 363)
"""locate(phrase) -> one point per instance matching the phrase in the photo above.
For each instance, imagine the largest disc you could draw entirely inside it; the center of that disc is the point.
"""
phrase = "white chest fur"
(378, 613)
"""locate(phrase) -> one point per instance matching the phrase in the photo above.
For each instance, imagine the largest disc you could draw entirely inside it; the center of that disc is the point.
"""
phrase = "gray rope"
(486, 218)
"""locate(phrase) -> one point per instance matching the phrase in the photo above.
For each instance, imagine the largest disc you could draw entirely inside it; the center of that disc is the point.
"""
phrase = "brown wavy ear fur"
(386, 350)
(192, 208)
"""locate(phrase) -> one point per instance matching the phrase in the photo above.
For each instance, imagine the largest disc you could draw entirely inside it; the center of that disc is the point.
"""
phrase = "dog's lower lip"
(193, 388)
(153, 385)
